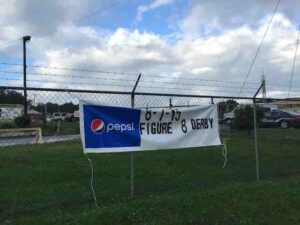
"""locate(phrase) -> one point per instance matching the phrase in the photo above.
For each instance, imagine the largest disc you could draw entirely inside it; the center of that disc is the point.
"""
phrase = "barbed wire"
(270, 87)
(143, 81)
(120, 85)
(131, 74)
(127, 80)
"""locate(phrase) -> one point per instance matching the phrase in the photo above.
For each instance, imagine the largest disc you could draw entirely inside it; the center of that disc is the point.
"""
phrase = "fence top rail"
(136, 93)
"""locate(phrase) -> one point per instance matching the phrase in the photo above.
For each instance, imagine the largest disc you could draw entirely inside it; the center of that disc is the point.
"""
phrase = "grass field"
(49, 184)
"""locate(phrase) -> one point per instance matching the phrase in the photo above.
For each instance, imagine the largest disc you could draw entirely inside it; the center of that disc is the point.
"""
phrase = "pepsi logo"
(98, 126)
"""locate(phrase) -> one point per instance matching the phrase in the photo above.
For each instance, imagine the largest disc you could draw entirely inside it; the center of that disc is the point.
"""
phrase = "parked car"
(76, 116)
(59, 116)
(72, 117)
(229, 117)
(283, 119)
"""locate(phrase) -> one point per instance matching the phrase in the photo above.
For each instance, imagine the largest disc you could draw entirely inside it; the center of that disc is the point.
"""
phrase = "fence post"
(25, 39)
(132, 154)
(255, 131)
(255, 140)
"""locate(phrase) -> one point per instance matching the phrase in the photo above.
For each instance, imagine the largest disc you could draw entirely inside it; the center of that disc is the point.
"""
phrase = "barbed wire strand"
(273, 87)
(130, 74)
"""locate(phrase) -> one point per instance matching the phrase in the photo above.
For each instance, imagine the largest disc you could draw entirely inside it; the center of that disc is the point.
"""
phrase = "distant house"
(9, 112)
(35, 116)
(292, 104)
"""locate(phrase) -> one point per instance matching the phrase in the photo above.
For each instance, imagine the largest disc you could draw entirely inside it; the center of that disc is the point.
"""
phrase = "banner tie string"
(92, 181)
(224, 152)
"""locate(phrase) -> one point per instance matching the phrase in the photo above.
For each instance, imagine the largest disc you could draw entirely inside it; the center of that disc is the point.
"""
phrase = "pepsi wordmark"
(119, 129)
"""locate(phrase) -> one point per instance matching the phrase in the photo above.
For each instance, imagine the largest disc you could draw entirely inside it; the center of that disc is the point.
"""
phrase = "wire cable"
(294, 62)
(224, 152)
(87, 16)
(259, 47)
(92, 181)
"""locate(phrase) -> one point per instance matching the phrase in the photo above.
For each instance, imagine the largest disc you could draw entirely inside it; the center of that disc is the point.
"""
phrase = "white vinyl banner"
(118, 129)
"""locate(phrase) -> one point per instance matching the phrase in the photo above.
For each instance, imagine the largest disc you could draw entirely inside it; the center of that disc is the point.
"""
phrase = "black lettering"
(198, 123)
(142, 127)
(148, 130)
(183, 126)
(159, 128)
(193, 123)
(169, 128)
(211, 120)
(164, 125)
(153, 128)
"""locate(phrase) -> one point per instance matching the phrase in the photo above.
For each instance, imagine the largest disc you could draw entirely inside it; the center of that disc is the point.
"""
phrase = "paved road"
(31, 140)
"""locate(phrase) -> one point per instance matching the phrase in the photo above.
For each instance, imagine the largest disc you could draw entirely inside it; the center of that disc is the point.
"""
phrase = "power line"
(10, 72)
(259, 47)
(294, 62)
(99, 11)
(88, 16)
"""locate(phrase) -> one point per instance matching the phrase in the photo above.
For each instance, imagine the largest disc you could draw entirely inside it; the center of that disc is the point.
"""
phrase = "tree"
(49, 107)
(226, 106)
(244, 119)
(11, 97)
(68, 107)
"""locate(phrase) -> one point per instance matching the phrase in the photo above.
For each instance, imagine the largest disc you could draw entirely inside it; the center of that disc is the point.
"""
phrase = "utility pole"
(264, 91)
(25, 39)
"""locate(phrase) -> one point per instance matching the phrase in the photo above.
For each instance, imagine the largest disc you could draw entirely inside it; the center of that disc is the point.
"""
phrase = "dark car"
(283, 119)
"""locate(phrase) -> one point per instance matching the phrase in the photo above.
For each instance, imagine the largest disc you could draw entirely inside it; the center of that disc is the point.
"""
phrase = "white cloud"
(155, 4)
(224, 55)
(221, 57)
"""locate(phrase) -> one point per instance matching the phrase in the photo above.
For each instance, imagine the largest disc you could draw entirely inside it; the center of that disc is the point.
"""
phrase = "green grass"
(49, 128)
(65, 128)
(49, 184)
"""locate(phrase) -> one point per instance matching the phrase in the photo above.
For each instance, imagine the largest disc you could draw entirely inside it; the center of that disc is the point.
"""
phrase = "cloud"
(205, 17)
(223, 53)
(225, 56)
(155, 4)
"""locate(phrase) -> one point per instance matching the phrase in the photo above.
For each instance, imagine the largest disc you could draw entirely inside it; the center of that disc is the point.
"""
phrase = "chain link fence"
(53, 117)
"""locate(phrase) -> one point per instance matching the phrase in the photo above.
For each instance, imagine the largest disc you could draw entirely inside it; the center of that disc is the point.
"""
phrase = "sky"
(179, 46)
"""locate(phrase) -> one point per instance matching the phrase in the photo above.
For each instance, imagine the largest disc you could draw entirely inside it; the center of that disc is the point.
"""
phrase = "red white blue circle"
(98, 126)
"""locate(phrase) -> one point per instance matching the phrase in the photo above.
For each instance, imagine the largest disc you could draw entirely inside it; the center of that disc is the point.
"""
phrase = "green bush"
(244, 118)
(7, 125)
(23, 121)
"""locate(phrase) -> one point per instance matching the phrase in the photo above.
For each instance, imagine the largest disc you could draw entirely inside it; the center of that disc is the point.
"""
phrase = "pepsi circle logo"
(98, 126)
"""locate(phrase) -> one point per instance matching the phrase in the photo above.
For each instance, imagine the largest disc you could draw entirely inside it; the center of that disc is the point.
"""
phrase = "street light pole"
(25, 39)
